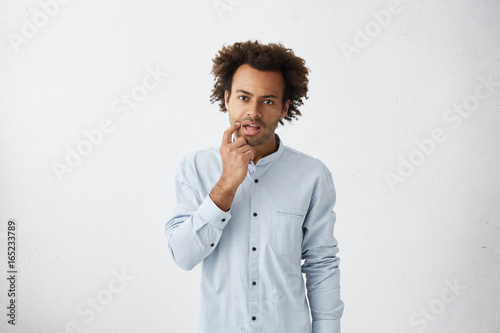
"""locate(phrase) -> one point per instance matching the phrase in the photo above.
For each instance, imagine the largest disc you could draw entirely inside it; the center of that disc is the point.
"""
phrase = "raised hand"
(235, 159)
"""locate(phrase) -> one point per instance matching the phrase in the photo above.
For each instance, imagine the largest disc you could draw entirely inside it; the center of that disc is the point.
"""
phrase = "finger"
(240, 142)
(244, 149)
(250, 155)
(229, 132)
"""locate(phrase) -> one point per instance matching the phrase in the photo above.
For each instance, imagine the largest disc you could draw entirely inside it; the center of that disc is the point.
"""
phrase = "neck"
(265, 149)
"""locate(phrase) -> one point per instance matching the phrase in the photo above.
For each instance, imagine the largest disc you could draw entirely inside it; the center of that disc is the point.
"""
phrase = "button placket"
(255, 230)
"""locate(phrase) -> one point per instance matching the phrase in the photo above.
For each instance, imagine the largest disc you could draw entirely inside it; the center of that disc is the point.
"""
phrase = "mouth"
(251, 129)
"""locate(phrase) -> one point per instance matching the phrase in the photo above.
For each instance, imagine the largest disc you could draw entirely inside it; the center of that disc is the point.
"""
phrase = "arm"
(319, 249)
(197, 224)
(196, 227)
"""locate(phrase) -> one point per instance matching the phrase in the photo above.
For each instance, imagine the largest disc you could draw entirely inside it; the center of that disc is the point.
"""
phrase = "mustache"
(253, 120)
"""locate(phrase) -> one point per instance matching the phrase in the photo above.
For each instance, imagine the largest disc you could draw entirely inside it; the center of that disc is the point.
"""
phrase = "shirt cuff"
(212, 214)
(326, 326)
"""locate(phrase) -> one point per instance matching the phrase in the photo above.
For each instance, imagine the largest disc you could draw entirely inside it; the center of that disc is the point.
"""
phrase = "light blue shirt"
(252, 255)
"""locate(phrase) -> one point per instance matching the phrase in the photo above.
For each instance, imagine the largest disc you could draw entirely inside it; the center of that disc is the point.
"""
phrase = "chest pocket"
(286, 228)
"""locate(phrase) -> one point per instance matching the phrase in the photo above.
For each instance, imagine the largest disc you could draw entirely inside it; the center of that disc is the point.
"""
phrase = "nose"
(254, 110)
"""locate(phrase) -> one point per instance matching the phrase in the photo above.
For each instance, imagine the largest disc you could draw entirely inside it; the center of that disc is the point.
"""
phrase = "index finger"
(229, 132)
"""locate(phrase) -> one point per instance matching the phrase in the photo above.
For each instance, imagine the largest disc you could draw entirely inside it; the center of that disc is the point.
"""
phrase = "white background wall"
(401, 247)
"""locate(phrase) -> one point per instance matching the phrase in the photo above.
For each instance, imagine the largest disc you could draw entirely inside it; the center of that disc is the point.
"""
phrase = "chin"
(253, 142)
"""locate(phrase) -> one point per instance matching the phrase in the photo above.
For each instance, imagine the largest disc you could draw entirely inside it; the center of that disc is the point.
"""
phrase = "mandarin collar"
(274, 156)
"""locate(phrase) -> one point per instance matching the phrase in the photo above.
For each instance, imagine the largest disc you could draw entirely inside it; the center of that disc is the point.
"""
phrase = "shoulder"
(200, 156)
(310, 170)
(200, 162)
(306, 162)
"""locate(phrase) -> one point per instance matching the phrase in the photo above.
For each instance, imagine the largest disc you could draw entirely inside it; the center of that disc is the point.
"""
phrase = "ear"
(284, 112)
(226, 99)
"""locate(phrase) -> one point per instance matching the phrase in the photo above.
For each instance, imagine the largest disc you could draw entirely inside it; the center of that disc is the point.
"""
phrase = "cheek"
(274, 124)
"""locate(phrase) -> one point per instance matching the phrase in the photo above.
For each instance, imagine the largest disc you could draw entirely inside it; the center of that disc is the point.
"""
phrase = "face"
(256, 102)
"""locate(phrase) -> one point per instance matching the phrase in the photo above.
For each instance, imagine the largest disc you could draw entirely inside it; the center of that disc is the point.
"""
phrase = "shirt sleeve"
(321, 266)
(197, 223)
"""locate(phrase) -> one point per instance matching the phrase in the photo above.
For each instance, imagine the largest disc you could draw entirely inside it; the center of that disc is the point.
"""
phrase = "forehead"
(260, 83)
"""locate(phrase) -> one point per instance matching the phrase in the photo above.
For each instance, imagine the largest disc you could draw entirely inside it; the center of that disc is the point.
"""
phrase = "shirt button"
(254, 318)
(223, 220)
(254, 249)
(256, 180)
(254, 214)
(212, 245)
(254, 283)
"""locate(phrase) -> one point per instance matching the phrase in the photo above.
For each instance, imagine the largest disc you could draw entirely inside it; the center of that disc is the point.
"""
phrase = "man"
(251, 209)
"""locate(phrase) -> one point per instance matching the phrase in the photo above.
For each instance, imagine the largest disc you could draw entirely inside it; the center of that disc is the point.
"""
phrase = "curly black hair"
(262, 57)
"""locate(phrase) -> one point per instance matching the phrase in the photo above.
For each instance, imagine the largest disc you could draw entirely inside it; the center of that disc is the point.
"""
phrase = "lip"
(250, 132)
(248, 122)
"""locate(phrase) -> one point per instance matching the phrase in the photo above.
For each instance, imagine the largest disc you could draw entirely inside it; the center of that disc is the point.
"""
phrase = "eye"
(243, 98)
(268, 101)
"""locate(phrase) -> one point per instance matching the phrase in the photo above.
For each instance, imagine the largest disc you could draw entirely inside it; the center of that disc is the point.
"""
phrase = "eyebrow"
(250, 94)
